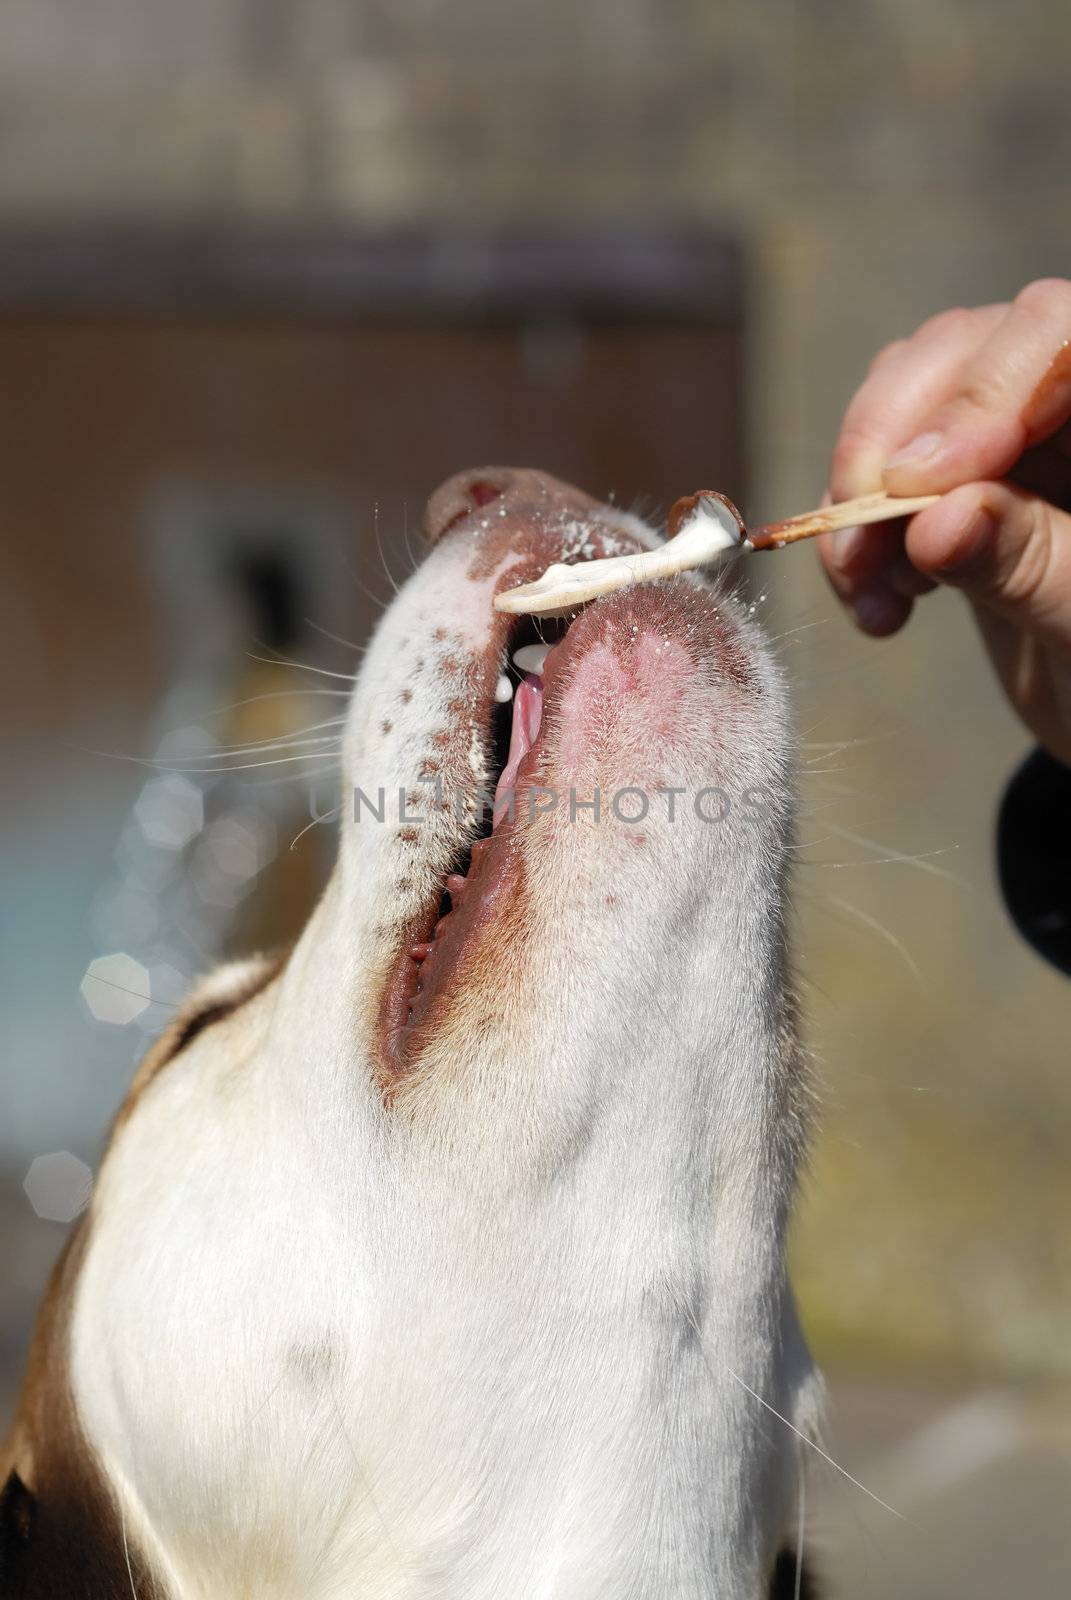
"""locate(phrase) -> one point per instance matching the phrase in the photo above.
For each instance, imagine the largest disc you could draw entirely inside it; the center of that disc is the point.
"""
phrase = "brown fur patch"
(61, 1532)
(192, 1020)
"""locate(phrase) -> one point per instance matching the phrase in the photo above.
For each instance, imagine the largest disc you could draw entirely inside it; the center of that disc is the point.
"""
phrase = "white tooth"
(530, 658)
(503, 690)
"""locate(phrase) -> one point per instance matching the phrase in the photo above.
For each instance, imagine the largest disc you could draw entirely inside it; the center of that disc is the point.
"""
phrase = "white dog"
(444, 1258)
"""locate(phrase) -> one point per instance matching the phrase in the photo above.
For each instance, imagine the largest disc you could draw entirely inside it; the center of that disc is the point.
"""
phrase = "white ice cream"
(709, 533)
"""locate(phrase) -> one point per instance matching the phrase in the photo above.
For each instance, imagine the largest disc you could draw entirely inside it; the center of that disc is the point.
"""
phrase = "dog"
(444, 1257)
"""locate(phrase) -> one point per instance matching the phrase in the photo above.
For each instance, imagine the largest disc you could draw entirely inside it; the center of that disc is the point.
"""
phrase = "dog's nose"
(463, 494)
(506, 489)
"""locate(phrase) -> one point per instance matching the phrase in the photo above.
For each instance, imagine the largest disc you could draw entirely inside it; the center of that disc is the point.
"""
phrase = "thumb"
(1006, 549)
(1013, 393)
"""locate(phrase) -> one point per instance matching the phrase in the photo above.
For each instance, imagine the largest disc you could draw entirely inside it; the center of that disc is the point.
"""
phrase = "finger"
(1013, 393)
(1007, 549)
(868, 567)
(855, 557)
(879, 611)
(906, 382)
(873, 576)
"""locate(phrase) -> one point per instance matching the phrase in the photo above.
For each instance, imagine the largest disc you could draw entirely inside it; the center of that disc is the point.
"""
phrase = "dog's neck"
(574, 1265)
(531, 1324)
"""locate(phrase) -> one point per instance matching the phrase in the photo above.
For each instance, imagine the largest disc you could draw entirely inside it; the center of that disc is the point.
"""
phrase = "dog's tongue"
(527, 715)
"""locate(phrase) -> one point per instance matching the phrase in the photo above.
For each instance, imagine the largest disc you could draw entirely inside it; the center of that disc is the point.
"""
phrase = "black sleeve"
(1034, 855)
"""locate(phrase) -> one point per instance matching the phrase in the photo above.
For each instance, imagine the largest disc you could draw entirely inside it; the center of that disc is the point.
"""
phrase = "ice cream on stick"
(703, 527)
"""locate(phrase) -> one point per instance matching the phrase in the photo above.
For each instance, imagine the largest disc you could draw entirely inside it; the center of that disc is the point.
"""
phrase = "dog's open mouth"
(532, 704)
(473, 889)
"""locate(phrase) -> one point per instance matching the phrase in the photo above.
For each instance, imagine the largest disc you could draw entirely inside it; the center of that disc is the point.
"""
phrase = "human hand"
(974, 406)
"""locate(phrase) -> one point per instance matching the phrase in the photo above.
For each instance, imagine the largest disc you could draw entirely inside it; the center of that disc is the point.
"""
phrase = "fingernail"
(876, 610)
(921, 448)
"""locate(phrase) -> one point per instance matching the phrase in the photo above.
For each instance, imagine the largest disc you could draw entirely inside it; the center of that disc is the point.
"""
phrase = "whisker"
(300, 666)
(380, 604)
(922, 861)
(299, 733)
(379, 546)
(281, 740)
(803, 1437)
(300, 693)
(790, 633)
(126, 1552)
(801, 1522)
(876, 927)
(413, 560)
(110, 983)
(248, 766)
(327, 817)
(290, 777)
(336, 638)
(272, 746)
(159, 766)
(827, 748)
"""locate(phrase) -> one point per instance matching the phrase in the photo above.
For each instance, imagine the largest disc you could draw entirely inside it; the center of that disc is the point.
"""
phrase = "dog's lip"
(434, 948)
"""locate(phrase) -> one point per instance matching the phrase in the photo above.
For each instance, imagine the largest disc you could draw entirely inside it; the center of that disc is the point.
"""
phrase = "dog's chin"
(639, 693)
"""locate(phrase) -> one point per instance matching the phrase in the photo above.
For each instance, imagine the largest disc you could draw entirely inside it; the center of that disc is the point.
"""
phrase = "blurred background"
(270, 271)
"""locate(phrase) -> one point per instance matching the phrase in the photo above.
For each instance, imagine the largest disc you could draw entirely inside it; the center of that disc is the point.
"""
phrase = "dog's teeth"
(530, 658)
(503, 690)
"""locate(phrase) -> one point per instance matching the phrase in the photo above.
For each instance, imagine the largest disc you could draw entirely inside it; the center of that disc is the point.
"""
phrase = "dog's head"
(448, 1257)
(546, 864)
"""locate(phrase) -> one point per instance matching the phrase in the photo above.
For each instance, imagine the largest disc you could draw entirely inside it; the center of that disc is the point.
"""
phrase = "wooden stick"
(704, 527)
(848, 514)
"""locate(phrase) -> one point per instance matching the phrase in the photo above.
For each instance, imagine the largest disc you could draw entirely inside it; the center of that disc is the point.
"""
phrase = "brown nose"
(506, 489)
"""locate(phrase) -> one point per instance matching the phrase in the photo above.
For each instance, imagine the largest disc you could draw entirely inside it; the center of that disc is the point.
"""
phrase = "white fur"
(498, 1340)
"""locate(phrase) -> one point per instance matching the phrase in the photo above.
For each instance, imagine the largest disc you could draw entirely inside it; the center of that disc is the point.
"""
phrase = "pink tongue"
(527, 715)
